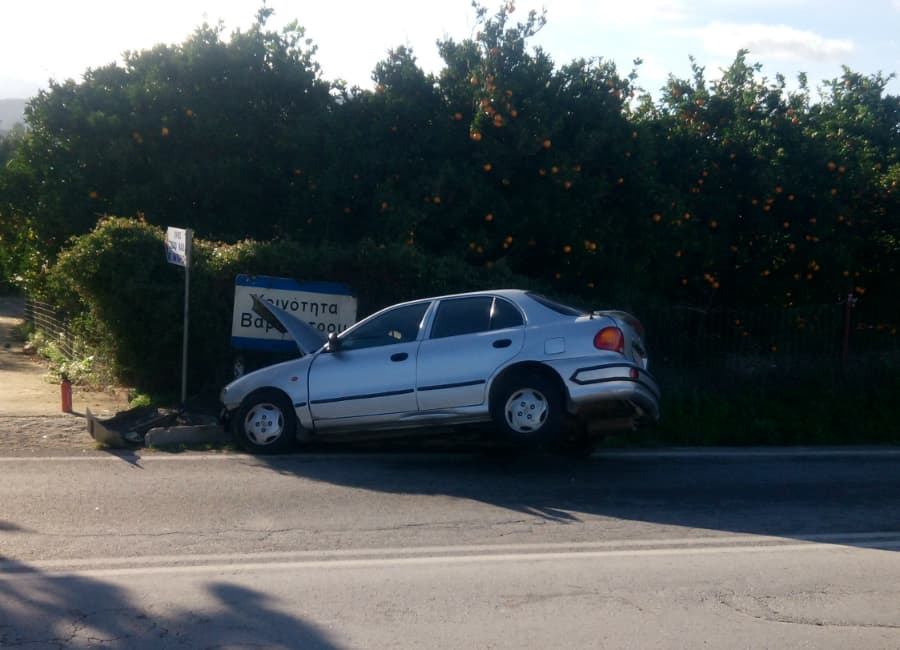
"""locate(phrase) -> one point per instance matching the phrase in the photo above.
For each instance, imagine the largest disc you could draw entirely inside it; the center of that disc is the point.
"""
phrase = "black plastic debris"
(128, 428)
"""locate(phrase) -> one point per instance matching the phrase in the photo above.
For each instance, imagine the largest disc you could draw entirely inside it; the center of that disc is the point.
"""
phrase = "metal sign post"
(178, 251)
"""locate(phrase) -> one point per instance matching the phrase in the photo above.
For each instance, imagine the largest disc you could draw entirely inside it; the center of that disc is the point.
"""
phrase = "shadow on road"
(40, 609)
(805, 498)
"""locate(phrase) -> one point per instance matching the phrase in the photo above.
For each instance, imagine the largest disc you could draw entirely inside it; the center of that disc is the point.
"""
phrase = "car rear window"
(558, 307)
(504, 315)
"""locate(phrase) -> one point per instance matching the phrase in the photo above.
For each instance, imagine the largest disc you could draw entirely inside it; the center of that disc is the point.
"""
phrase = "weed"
(136, 399)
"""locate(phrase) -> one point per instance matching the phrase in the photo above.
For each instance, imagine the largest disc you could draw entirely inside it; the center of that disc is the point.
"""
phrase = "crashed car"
(528, 365)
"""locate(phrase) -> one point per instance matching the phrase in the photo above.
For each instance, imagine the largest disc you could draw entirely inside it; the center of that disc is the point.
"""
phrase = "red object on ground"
(65, 392)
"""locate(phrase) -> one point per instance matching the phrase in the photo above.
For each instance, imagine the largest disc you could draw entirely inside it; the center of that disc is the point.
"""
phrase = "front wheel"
(527, 409)
(265, 423)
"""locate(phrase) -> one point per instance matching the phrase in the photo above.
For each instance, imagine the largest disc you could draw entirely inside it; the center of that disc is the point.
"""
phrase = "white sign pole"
(178, 251)
(187, 293)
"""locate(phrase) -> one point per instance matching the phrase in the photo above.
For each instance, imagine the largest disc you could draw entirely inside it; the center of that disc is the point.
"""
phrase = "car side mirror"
(334, 343)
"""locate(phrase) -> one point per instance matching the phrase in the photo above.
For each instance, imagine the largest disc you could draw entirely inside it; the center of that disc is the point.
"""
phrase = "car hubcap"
(526, 410)
(264, 424)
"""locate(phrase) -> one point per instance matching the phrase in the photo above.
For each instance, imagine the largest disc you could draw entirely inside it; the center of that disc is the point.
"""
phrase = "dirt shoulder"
(31, 417)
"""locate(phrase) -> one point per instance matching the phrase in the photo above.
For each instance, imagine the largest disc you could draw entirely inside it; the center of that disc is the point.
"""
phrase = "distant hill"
(12, 112)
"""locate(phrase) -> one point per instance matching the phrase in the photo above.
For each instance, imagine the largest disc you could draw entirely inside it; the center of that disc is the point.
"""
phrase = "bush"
(125, 295)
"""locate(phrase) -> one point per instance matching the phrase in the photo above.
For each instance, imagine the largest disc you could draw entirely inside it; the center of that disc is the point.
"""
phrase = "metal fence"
(685, 337)
(53, 326)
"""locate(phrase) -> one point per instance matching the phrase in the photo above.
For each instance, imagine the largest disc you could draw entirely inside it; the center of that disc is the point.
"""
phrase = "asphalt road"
(666, 550)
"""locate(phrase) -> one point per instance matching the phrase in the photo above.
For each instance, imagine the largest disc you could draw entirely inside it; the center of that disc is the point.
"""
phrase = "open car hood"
(307, 338)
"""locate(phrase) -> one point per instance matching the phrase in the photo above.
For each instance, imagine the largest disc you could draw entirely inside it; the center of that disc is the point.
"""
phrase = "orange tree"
(861, 128)
(735, 192)
(388, 154)
(768, 199)
(17, 238)
(206, 134)
(544, 172)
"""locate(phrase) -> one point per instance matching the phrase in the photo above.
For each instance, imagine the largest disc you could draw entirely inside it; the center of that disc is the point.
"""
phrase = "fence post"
(849, 303)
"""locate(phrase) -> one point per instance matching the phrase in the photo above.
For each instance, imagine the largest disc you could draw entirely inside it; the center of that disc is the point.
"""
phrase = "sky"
(60, 39)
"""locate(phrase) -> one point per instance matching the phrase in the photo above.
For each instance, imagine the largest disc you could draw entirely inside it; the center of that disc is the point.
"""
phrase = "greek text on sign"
(177, 246)
(327, 306)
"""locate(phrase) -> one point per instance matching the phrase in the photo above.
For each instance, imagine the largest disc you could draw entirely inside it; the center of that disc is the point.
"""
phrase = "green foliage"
(778, 205)
(18, 242)
(78, 371)
(118, 274)
(22, 331)
(732, 193)
(137, 400)
(169, 133)
(834, 410)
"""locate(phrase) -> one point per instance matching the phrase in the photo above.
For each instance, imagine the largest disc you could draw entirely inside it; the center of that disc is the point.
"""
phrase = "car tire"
(527, 409)
(265, 423)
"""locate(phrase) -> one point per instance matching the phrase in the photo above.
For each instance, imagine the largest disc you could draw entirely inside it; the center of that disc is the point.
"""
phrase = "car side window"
(504, 314)
(400, 325)
(462, 316)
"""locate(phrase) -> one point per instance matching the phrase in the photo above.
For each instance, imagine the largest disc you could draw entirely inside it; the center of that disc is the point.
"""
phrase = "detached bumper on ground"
(147, 426)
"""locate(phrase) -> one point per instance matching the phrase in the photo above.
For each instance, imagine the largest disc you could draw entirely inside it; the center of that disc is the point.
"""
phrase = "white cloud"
(771, 41)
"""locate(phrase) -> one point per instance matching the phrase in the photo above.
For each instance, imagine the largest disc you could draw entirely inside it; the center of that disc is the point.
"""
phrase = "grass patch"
(137, 399)
(22, 331)
(831, 406)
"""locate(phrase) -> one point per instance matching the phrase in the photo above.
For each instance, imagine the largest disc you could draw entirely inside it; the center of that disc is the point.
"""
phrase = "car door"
(469, 339)
(371, 372)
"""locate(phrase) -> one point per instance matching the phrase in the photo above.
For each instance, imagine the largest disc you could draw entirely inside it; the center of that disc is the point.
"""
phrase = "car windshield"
(558, 307)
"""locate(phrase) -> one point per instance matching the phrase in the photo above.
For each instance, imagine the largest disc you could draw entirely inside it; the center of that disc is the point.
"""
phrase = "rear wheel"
(527, 408)
(265, 423)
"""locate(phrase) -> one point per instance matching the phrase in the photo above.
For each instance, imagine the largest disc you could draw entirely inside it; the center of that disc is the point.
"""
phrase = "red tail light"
(610, 338)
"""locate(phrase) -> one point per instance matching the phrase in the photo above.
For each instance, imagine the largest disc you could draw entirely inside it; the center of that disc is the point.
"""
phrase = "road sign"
(178, 245)
(327, 306)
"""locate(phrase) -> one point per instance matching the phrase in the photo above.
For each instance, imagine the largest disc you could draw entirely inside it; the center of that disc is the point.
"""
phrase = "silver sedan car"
(530, 366)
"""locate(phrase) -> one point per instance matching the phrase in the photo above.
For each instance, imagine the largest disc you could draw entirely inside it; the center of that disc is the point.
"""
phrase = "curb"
(752, 452)
(186, 435)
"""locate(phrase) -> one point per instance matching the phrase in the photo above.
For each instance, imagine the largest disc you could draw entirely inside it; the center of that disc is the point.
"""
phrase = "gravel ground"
(31, 422)
(43, 435)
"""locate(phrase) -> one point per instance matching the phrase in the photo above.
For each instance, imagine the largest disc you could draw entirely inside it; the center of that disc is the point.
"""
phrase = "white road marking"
(442, 555)
(705, 452)
(752, 452)
(122, 458)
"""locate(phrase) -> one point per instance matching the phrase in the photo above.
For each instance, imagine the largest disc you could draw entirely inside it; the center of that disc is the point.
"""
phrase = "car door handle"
(502, 343)
(399, 356)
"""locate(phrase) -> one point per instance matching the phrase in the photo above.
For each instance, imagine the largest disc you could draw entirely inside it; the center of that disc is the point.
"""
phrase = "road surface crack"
(759, 608)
